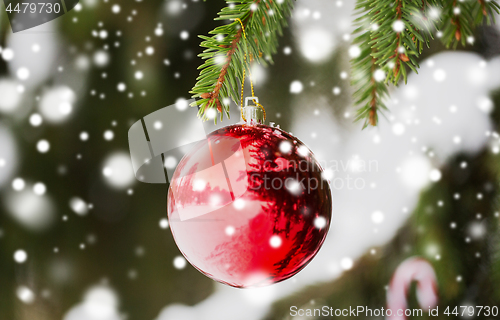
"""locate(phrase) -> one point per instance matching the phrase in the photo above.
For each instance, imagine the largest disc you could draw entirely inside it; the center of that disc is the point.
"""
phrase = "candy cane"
(413, 269)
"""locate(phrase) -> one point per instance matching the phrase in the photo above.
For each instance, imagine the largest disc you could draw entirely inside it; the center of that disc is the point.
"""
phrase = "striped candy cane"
(412, 269)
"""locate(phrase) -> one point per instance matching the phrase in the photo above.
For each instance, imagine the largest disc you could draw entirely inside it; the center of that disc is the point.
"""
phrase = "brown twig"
(372, 118)
(397, 65)
(456, 22)
(214, 95)
(483, 7)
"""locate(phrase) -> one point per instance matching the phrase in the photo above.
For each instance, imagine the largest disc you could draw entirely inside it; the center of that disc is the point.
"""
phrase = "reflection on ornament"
(248, 206)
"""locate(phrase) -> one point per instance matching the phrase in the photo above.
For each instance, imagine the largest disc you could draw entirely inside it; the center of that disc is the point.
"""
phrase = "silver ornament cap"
(253, 113)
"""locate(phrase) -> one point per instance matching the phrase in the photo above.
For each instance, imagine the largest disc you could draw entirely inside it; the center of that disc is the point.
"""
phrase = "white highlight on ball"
(230, 230)
(293, 186)
(199, 185)
(275, 241)
(320, 222)
(239, 204)
(285, 147)
(303, 151)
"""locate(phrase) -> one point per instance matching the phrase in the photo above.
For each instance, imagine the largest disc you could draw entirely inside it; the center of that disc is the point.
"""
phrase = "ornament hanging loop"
(253, 98)
(251, 114)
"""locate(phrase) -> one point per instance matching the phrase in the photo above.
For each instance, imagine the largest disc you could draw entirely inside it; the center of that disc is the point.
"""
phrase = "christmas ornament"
(248, 206)
(413, 269)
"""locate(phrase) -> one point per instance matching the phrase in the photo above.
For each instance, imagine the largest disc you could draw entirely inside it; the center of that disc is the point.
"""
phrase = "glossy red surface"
(249, 206)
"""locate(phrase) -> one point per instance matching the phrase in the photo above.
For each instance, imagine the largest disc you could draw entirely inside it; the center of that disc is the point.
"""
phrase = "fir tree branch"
(391, 35)
(403, 31)
(460, 19)
(370, 90)
(456, 27)
(227, 53)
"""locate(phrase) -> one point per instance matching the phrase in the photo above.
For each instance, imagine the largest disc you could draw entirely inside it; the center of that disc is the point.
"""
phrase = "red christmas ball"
(249, 206)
